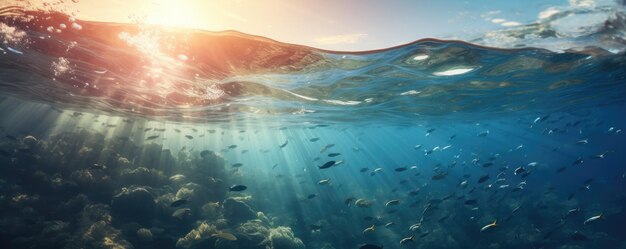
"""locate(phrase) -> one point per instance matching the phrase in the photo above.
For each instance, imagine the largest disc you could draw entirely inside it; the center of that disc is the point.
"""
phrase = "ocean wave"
(174, 74)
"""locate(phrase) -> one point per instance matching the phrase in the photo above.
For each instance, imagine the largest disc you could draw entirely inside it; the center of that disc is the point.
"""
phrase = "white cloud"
(340, 39)
(548, 13)
(510, 24)
(498, 20)
(582, 3)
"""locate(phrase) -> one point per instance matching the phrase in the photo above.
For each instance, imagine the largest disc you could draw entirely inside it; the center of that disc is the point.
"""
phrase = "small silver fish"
(594, 218)
(488, 226)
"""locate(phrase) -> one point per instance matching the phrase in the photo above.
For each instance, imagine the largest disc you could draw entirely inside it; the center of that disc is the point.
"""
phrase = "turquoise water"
(133, 136)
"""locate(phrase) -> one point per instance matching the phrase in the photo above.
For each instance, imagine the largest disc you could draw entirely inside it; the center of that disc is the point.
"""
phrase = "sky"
(348, 25)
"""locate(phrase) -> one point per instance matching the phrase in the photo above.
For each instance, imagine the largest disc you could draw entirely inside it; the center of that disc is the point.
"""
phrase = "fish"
(487, 164)
(315, 139)
(232, 146)
(334, 154)
(519, 170)
(483, 134)
(324, 182)
(311, 196)
(328, 146)
(370, 246)
(415, 226)
(349, 201)
(181, 212)
(407, 240)
(177, 130)
(152, 137)
(363, 170)
(572, 212)
(417, 147)
(237, 165)
(370, 229)
(583, 141)
(439, 176)
(189, 136)
(284, 144)
(578, 161)
(224, 235)
(392, 203)
(315, 227)
(327, 165)
(561, 169)
(237, 188)
(489, 226)
(483, 178)
(178, 203)
(592, 219)
(400, 169)
(363, 203)
(389, 224)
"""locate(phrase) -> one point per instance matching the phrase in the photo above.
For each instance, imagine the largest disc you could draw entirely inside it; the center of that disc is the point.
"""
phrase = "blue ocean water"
(133, 136)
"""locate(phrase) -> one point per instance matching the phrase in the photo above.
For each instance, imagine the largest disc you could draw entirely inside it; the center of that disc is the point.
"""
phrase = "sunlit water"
(107, 127)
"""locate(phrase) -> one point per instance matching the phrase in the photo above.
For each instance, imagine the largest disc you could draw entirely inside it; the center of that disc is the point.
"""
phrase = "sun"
(175, 13)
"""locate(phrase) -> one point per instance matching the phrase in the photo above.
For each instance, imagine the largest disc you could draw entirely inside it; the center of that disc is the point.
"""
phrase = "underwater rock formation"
(237, 211)
(253, 234)
(197, 235)
(283, 238)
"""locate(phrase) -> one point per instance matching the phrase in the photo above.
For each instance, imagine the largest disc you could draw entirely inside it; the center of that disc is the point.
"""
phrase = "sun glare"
(175, 13)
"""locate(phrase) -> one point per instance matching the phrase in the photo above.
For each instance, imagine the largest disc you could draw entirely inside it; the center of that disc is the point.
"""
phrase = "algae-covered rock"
(196, 236)
(237, 211)
(283, 238)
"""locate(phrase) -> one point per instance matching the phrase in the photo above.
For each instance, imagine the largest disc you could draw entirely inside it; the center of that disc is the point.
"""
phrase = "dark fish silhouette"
(237, 188)
(327, 165)
(284, 144)
(370, 246)
(483, 178)
(178, 203)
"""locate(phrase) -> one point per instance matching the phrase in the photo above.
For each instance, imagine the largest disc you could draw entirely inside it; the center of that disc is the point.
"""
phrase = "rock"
(143, 176)
(134, 204)
(237, 211)
(254, 233)
(196, 236)
(283, 238)
(144, 234)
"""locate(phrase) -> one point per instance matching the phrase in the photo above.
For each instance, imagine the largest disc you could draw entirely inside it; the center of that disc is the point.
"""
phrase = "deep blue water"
(100, 137)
